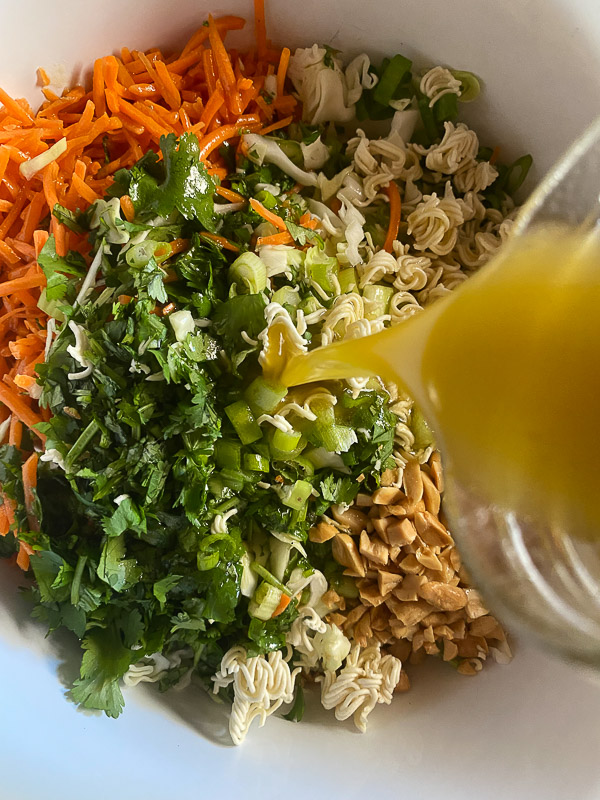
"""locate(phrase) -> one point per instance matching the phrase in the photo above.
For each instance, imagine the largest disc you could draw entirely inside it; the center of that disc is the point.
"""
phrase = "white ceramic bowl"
(529, 730)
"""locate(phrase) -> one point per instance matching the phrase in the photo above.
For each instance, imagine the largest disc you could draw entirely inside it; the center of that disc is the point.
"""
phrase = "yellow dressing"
(507, 371)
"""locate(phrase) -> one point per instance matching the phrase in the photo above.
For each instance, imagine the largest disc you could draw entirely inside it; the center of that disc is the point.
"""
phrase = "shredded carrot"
(282, 123)
(282, 70)
(283, 604)
(213, 140)
(98, 86)
(29, 485)
(15, 432)
(84, 191)
(230, 195)
(395, 211)
(4, 523)
(278, 238)
(222, 242)
(26, 282)
(127, 207)
(25, 551)
(18, 406)
(224, 68)
(268, 215)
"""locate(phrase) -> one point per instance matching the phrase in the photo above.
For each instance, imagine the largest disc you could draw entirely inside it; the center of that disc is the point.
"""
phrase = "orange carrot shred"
(282, 70)
(268, 215)
(283, 604)
(15, 432)
(395, 211)
(127, 207)
(18, 406)
(278, 238)
(230, 195)
(221, 241)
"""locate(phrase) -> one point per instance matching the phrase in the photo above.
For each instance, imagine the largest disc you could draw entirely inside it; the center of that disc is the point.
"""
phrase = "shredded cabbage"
(261, 149)
(315, 154)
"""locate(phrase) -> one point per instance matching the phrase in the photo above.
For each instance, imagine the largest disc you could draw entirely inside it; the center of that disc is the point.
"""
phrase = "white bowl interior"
(527, 730)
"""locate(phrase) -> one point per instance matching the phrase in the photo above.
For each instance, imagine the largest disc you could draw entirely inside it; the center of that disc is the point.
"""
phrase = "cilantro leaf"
(57, 270)
(339, 490)
(242, 313)
(120, 573)
(104, 662)
(127, 517)
(303, 235)
(163, 587)
(181, 182)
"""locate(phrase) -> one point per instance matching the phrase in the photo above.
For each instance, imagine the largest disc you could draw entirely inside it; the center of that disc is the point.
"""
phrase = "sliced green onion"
(421, 430)
(310, 304)
(321, 269)
(346, 587)
(517, 172)
(280, 556)
(391, 77)
(269, 577)
(377, 300)
(253, 462)
(347, 279)
(249, 273)
(286, 296)
(228, 453)
(206, 561)
(264, 396)
(266, 199)
(306, 465)
(85, 437)
(138, 255)
(264, 602)
(286, 445)
(232, 478)
(290, 148)
(324, 411)
(446, 108)
(337, 438)
(431, 127)
(470, 86)
(296, 495)
(285, 441)
(243, 421)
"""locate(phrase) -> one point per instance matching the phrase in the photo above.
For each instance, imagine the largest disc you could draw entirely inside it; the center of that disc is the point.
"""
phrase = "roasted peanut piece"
(387, 495)
(443, 596)
(346, 553)
(373, 550)
(351, 518)
(322, 532)
(412, 481)
(386, 581)
(400, 532)
(431, 530)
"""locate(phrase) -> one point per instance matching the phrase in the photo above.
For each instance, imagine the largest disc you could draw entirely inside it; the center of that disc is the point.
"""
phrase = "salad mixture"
(169, 238)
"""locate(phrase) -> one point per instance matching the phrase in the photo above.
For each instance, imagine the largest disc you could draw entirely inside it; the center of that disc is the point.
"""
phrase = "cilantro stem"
(79, 447)
(81, 561)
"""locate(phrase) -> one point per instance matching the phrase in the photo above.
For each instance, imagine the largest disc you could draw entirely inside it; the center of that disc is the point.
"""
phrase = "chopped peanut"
(346, 553)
